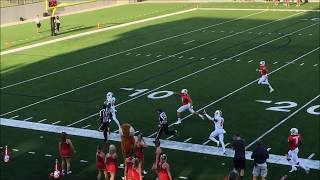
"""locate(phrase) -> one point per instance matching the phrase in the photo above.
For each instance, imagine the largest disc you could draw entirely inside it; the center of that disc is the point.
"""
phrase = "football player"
(110, 99)
(163, 125)
(219, 132)
(264, 77)
(186, 105)
(294, 141)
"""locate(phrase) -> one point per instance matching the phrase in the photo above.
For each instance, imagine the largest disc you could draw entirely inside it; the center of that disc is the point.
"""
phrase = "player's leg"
(99, 174)
(291, 161)
(221, 137)
(63, 165)
(68, 165)
(212, 137)
(297, 162)
(190, 108)
(167, 131)
(179, 111)
(159, 133)
(114, 117)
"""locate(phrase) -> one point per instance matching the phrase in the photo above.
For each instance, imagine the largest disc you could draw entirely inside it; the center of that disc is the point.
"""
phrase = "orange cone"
(6, 157)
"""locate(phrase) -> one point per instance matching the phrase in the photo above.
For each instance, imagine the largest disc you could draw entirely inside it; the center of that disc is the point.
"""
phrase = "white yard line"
(42, 120)
(224, 60)
(126, 51)
(86, 126)
(187, 140)
(14, 117)
(188, 42)
(28, 119)
(93, 32)
(281, 122)
(56, 122)
(175, 145)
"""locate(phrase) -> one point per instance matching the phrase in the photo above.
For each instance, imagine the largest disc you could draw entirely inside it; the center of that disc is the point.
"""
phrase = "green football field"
(213, 50)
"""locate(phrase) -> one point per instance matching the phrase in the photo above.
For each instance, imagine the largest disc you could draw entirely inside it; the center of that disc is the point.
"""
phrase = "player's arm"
(209, 117)
(71, 145)
(168, 170)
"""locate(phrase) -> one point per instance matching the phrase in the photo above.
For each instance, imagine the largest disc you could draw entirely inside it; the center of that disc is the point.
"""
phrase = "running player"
(163, 125)
(264, 77)
(186, 105)
(294, 141)
(105, 117)
(110, 99)
(218, 128)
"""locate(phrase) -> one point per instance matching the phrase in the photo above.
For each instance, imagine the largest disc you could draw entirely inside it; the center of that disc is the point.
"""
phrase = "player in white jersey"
(218, 128)
(111, 101)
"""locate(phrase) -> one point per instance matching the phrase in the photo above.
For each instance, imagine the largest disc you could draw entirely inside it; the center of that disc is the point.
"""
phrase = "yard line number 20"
(286, 106)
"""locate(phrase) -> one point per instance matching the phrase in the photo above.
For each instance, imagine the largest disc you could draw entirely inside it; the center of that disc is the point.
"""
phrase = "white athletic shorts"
(185, 108)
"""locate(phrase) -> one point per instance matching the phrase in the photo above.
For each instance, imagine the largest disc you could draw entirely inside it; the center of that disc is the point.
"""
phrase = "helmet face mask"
(218, 113)
(109, 94)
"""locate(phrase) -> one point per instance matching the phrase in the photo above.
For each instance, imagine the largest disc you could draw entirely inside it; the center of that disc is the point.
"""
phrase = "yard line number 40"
(286, 106)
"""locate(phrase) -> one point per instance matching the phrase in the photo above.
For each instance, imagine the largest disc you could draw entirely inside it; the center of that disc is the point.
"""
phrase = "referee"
(163, 125)
(105, 117)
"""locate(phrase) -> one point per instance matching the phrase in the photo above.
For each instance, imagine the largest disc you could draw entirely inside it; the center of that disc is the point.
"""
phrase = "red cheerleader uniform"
(139, 153)
(163, 174)
(65, 150)
(111, 165)
(100, 162)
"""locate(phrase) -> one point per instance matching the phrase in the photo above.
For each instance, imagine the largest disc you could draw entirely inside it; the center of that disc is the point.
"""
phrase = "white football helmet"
(184, 91)
(262, 63)
(218, 113)
(109, 94)
(294, 131)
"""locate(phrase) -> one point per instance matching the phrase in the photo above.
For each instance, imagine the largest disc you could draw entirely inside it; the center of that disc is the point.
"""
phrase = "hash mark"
(42, 120)
(206, 142)
(56, 122)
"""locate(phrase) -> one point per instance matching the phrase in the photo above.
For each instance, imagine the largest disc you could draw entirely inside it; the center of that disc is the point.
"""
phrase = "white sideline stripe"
(281, 122)
(86, 126)
(42, 120)
(125, 51)
(175, 145)
(16, 150)
(93, 32)
(170, 137)
(189, 42)
(14, 117)
(187, 140)
(234, 9)
(198, 70)
(28, 119)
(31, 152)
(56, 122)
(311, 156)
(206, 142)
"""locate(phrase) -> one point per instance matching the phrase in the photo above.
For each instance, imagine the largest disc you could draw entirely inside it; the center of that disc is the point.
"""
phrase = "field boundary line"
(93, 32)
(281, 122)
(210, 42)
(174, 145)
(277, 10)
(128, 50)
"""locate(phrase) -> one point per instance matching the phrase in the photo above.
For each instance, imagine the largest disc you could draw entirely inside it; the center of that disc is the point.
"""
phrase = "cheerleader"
(100, 156)
(110, 161)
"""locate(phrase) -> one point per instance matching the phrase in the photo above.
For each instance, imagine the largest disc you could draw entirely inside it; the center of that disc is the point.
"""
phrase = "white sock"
(213, 139)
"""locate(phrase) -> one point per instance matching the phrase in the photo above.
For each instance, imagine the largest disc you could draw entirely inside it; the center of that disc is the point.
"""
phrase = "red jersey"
(65, 149)
(263, 70)
(100, 162)
(163, 173)
(294, 141)
(184, 99)
(111, 165)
